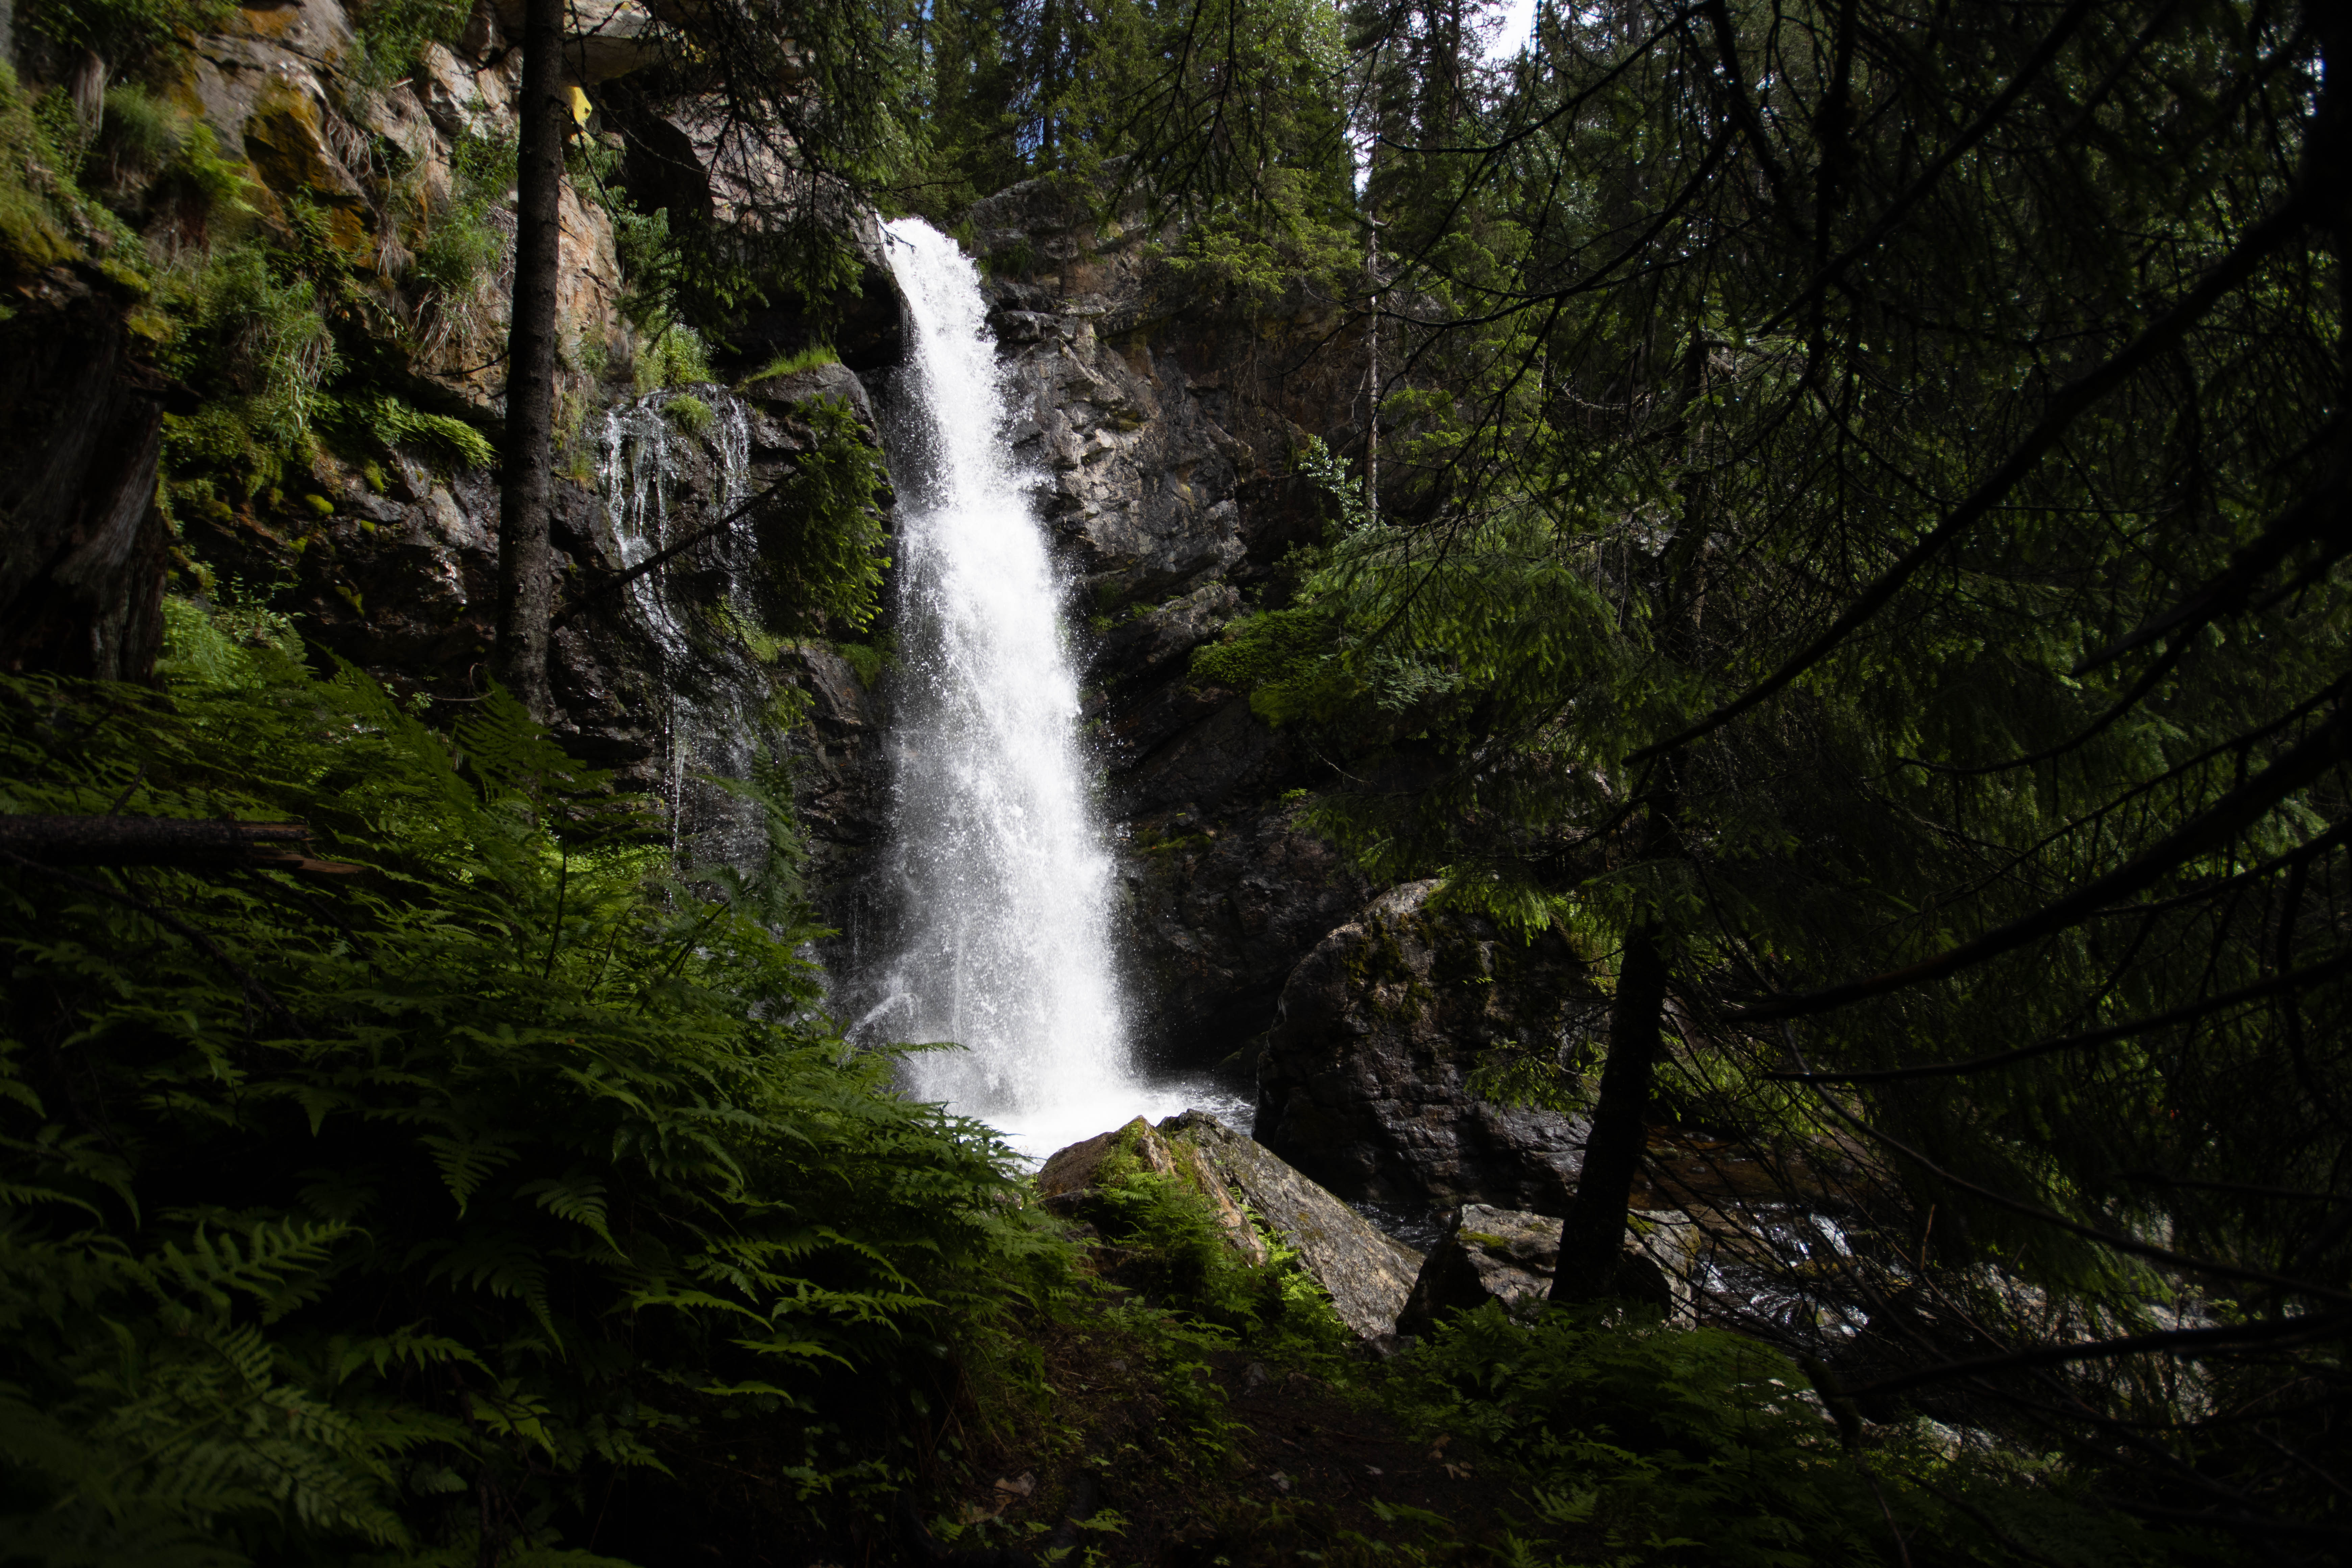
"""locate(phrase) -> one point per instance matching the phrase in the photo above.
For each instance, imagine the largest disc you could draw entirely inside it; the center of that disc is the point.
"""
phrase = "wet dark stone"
(1364, 1079)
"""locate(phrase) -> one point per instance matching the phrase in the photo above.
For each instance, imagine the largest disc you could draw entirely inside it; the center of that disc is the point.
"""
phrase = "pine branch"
(2328, 746)
(2064, 407)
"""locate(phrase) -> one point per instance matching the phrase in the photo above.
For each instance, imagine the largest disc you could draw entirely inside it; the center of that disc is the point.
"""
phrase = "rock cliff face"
(81, 550)
(1364, 1080)
(696, 668)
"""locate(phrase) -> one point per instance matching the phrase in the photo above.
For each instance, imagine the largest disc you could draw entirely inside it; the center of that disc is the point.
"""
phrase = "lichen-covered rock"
(1364, 1080)
(286, 138)
(272, 85)
(837, 381)
(262, 51)
(1510, 1255)
(602, 38)
(1366, 1274)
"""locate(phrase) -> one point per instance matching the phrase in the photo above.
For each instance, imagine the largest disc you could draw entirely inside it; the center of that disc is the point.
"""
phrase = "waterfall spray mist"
(1005, 875)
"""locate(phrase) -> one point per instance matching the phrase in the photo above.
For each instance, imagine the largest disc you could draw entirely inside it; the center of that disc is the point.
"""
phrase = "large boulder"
(1367, 1274)
(1219, 913)
(1510, 1255)
(1364, 1082)
(1072, 1174)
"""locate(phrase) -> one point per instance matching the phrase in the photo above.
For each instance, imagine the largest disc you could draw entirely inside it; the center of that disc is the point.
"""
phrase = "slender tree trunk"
(525, 569)
(1372, 379)
(1592, 1237)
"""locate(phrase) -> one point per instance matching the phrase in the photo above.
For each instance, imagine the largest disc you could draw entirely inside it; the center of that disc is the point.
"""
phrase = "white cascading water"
(1005, 876)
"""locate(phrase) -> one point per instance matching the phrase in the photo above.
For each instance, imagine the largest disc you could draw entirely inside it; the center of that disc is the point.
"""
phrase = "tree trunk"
(525, 569)
(1592, 1237)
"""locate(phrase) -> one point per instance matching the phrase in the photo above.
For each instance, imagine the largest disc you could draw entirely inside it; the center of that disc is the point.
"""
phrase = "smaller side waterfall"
(708, 728)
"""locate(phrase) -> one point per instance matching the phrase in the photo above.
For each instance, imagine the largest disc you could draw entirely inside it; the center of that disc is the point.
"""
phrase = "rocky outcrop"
(1220, 912)
(603, 38)
(1069, 1179)
(1368, 1275)
(81, 546)
(1511, 1255)
(1139, 475)
(1364, 1080)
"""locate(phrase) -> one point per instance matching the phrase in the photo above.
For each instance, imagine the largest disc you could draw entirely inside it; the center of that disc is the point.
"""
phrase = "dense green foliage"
(1173, 1248)
(396, 1208)
(1227, 115)
(1859, 519)
(831, 565)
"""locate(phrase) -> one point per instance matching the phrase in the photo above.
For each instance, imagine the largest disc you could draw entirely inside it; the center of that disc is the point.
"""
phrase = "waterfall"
(1002, 867)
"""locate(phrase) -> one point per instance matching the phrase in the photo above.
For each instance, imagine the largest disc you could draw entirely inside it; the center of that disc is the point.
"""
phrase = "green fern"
(458, 1187)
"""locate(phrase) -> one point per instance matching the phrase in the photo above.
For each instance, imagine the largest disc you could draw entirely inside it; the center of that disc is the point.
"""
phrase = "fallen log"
(161, 841)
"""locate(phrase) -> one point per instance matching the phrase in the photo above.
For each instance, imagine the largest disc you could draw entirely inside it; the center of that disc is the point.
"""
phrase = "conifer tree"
(1877, 580)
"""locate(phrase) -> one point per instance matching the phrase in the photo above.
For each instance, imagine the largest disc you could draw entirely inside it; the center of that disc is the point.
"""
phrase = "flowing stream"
(1005, 876)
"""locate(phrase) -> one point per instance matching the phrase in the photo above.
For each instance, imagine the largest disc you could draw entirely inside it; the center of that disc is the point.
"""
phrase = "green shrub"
(674, 357)
(406, 1209)
(389, 36)
(139, 136)
(1175, 1249)
(688, 413)
(253, 337)
(456, 248)
(868, 660)
(35, 202)
(125, 30)
(376, 424)
(210, 647)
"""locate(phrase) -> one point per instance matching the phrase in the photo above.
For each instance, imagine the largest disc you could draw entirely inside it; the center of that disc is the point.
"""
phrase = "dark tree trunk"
(525, 569)
(1592, 1237)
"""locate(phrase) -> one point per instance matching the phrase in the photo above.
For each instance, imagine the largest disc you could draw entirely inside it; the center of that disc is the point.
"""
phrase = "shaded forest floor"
(1225, 1458)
